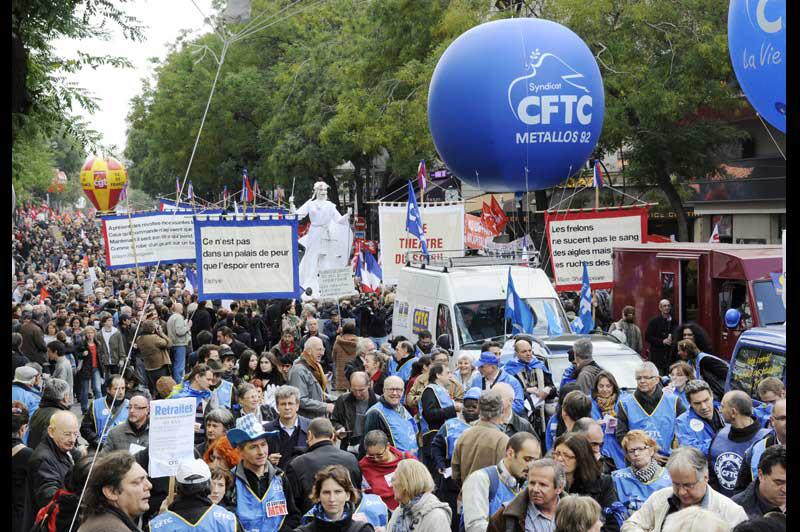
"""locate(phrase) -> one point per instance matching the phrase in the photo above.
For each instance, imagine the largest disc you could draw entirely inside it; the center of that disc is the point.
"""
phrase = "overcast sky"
(163, 20)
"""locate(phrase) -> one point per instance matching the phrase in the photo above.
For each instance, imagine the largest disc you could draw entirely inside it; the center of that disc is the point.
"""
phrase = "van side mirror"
(732, 318)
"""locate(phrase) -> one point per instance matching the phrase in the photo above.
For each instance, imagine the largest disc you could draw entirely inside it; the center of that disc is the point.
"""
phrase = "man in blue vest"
(697, 426)
(443, 445)
(487, 489)
(402, 361)
(222, 389)
(749, 470)
(262, 493)
(113, 407)
(727, 449)
(491, 374)
(649, 409)
(390, 416)
(533, 376)
(192, 510)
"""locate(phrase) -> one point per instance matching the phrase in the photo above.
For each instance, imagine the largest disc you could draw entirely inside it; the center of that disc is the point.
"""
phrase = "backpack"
(494, 485)
(49, 517)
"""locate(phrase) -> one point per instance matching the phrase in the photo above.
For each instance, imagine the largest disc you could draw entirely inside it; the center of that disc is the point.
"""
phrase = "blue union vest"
(216, 519)
(224, 393)
(444, 401)
(660, 425)
(371, 509)
(402, 427)
(261, 515)
(694, 431)
(102, 413)
(499, 493)
(611, 446)
(632, 493)
(404, 371)
(451, 430)
(758, 449)
(762, 412)
(726, 457)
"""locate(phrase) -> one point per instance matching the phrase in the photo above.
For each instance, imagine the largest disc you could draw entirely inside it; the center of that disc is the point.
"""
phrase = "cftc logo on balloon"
(757, 43)
(516, 105)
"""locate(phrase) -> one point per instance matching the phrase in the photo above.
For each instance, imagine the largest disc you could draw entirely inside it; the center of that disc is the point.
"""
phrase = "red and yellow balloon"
(102, 180)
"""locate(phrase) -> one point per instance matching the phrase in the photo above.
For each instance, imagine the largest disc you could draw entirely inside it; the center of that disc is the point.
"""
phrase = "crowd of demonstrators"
(309, 415)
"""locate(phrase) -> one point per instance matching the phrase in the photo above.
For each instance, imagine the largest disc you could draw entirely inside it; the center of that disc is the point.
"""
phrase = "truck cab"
(702, 281)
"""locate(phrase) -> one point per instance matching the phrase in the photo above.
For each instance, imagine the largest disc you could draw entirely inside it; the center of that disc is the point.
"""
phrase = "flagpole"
(596, 193)
(133, 240)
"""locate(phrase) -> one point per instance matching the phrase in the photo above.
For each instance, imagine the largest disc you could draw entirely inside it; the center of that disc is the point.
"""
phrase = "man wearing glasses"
(688, 471)
(649, 409)
(134, 434)
(391, 417)
(749, 470)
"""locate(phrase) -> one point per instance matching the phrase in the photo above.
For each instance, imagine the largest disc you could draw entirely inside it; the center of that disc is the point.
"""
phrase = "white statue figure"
(329, 239)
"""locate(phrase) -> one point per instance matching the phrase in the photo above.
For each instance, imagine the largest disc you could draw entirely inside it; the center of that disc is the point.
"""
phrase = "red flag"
(487, 219)
(500, 218)
(43, 294)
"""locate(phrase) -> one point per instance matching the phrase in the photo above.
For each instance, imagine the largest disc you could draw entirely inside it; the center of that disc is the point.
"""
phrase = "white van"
(466, 301)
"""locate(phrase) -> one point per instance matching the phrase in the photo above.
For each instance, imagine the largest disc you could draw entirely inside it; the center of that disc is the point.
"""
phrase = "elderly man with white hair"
(649, 409)
(308, 376)
(688, 470)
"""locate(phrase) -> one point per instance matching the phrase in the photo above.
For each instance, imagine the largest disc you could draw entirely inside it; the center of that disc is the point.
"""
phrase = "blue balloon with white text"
(516, 105)
(757, 44)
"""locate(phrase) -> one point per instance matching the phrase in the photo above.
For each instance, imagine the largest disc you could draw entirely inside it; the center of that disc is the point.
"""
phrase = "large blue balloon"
(757, 42)
(512, 95)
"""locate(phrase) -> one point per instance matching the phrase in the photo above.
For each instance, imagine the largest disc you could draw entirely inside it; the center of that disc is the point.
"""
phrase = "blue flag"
(414, 220)
(554, 327)
(517, 310)
(584, 322)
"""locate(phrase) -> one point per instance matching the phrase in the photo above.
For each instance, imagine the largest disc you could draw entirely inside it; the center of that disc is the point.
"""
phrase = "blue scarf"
(406, 518)
(319, 512)
(188, 391)
(514, 366)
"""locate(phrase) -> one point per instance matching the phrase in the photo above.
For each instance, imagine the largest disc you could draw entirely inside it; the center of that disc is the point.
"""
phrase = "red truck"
(702, 281)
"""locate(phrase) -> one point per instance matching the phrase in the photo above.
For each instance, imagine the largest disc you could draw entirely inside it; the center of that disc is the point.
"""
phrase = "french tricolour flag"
(370, 273)
(598, 174)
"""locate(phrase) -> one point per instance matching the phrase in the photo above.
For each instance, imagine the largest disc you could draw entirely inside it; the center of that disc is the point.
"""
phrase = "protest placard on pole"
(336, 283)
(589, 236)
(247, 259)
(171, 435)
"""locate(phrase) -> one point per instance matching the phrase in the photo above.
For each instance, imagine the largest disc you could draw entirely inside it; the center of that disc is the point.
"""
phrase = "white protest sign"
(577, 237)
(165, 236)
(247, 259)
(444, 234)
(336, 282)
(171, 435)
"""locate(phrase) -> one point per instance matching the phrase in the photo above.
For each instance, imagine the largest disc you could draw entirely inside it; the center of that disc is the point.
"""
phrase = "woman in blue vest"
(634, 484)
(605, 397)
(707, 367)
(679, 374)
(435, 408)
(338, 507)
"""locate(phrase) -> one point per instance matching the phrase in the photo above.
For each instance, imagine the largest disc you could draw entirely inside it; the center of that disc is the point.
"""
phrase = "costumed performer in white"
(329, 239)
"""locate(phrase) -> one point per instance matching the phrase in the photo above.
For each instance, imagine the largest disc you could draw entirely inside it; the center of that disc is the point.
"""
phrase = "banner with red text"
(589, 236)
(444, 232)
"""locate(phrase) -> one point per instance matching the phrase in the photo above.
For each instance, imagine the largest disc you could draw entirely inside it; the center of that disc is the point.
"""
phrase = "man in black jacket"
(55, 398)
(321, 453)
(659, 336)
(350, 410)
(50, 464)
(767, 493)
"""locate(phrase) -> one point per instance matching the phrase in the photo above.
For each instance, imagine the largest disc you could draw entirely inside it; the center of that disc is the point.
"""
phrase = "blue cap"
(473, 393)
(487, 357)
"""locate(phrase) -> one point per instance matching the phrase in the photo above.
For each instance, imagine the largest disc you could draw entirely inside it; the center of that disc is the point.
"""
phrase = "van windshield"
(768, 304)
(480, 320)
